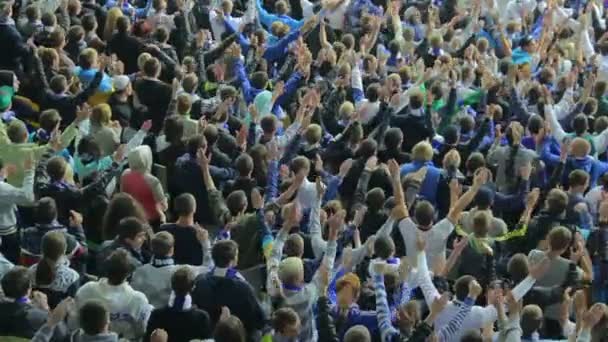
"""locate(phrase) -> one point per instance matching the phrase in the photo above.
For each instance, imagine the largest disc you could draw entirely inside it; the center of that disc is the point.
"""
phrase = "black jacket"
(20, 319)
(180, 325)
(13, 46)
(212, 292)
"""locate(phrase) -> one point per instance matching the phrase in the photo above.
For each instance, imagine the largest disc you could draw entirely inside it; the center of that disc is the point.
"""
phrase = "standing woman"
(146, 189)
(52, 275)
(510, 159)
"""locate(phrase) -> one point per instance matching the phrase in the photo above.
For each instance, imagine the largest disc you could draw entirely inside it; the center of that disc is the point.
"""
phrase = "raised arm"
(481, 177)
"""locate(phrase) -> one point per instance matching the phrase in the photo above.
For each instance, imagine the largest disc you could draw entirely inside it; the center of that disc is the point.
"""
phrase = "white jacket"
(129, 309)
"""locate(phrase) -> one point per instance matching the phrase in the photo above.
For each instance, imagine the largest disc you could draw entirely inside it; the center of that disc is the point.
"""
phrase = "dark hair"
(393, 138)
(195, 142)
(118, 267)
(259, 79)
(174, 129)
(184, 204)
(46, 210)
(236, 202)
(367, 148)
(182, 281)
(161, 34)
(151, 67)
(578, 178)
(580, 124)
(244, 164)
(375, 199)
(268, 123)
(461, 287)
(121, 206)
(372, 93)
(129, 228)
(89, 146)
(514, 148)
(56, 168)
(282, 318)
(224, 252)
(89, 21)
(473, 335)
(424, 212)
(557, 201)
(211, 134)
(230, 329)
(16, 283)
(122, 24)
(53, 248)
(93, 317)
(384, 247)
(535, 124)
(451, 134)
(294, 246)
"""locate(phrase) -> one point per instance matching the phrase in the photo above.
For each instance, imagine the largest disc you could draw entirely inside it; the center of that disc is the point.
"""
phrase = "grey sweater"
(10, 198)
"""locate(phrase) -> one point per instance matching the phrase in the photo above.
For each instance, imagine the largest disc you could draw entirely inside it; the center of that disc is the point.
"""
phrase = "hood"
(140, 159)
(263, 102)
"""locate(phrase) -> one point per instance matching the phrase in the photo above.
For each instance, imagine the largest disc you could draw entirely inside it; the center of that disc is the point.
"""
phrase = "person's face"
(346, 297)
(129, 90)
(138, 241)
(406, 318)
(270, 218)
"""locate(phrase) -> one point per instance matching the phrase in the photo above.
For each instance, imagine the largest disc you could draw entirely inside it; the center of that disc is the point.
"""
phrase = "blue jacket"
(268, 18)
(592, 166)
(249, 92)
(429, 186)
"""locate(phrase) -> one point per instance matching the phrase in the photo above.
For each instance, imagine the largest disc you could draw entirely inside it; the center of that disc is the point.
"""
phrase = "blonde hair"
(422, 151)
(580, 147)
(142, 59)
(101, 114)
(346, 109)
(313, 134)
(184, 104)
(87, 58)
(113, 14)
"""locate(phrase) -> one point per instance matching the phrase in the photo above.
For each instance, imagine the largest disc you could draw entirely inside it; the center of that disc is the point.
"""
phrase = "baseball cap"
(120, 82)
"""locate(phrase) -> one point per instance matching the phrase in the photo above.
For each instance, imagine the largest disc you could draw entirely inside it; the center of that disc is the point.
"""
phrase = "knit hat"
(290, 268)
(6, 97)
(121, 82)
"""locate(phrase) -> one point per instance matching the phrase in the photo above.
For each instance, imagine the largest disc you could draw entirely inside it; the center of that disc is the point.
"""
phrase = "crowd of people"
(302, 170)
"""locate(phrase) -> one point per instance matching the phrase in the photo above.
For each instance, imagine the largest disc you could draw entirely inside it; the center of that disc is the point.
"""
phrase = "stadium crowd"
(302, 170)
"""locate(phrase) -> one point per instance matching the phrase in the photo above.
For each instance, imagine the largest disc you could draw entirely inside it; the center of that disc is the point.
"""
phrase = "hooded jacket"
(140, 183)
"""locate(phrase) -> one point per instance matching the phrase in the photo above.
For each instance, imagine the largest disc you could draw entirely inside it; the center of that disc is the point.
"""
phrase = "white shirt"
(337, 17)
(436, 239)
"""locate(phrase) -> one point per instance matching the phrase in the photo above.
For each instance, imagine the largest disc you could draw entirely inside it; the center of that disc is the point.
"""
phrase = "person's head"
(17, 132)
(559, 239)
(132, 232)
(481, 224)
(111, 20)
(58, 84)
(89, 22)
(422, 151)
(184, 104)
(142, 59)
(237, 203)
(484, 198)
(393, 138)
(32, 13)
(348, 288)
(600, 88)
(244, 165)
(101, 115)
(286, 322)
(49, 58)
(269, 124)
(531, 319)
(94, 317)
(280, 7)
(46, 210)
(384, 247)
(300, 166)
(17, 283)
(313, 134)
(536, 125)
(600, 124)
(346, 110)
(528, 44)
(259, 79)
(367, 148)
(578, 180)
(294, 246)
(416, 100)
(291, 271)
(162, 244)
(53, 247)
(161, 35)
(182, 281)
(49, 120)
(517, 267)
(424, 213)
(173, 129)
(152, 67)
(590, 107)
(357, 333)
(374, 199)
(461, 287)
(122, 85)
(195, 143)
(230, 329)
(56, 168)
(74, 7)
(580, 147)
(88, 58)
(514, 133)
(225, 254)
(408, 316)
(580, 125)
(76, 33)
(184, 205)
(190, 83)
(118, 267)
(556, 201)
